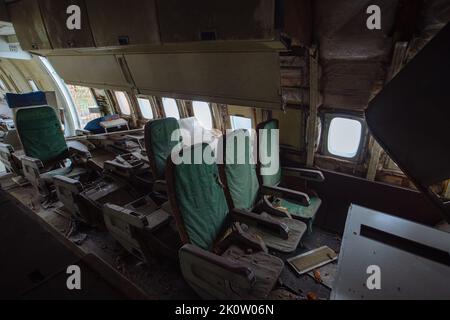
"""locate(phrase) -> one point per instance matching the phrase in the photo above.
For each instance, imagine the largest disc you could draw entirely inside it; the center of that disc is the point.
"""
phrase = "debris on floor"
(78, 238)
(312, 259)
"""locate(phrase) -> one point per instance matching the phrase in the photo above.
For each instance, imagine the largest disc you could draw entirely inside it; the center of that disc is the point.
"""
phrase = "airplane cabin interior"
(336, 109)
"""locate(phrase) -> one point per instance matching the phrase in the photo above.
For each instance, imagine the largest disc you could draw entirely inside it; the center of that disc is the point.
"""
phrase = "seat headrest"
(20, 100)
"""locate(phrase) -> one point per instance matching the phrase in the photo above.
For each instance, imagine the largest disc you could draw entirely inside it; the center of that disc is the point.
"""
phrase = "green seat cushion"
(159, 143)
(297, 210)
(240, 170)
(271, 150)
(40, 133)
(200, 199)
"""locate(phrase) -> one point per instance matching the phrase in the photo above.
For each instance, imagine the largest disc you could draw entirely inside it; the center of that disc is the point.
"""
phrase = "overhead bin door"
(54, 14)
(242, 78)
(29, 26)
(200, 20)
(100, 71)
(123, 22)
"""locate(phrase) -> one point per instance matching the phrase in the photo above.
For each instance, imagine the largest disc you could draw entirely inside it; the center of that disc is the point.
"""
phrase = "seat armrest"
(82, 132)
(6, 148)
(160, 186)
(273, 226)
(305, 174)
(228, 269)
(79, 150)
(73, 184)
(32, 162)
(67, 190)
(130, 216)
(288, 194)
(241, 238)
(32, 169)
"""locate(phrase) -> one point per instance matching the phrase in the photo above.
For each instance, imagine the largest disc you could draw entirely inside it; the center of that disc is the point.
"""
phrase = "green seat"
(240, 171)
(45, 148)
(201, 201)
(304, 212)
(244, 189)
(159, 143)
(222, 257)
(40, 133)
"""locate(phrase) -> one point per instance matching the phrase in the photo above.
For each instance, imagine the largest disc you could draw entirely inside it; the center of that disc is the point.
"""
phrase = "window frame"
(326, 123)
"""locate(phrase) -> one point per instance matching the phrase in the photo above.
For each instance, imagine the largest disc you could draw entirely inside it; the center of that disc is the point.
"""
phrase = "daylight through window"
(122, 100)
(203, 113)
(238, 122)
(146, 108)
(344, 137)
(171, 108)
(85, 104)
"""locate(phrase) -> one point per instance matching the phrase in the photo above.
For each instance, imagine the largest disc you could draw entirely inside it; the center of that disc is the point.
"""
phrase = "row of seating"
(221, 220)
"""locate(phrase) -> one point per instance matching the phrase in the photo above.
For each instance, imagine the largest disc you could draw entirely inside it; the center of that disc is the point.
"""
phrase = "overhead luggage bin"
(99, 71)
(155, 25)
(23, 14)
(108, 29)
(206, 20)
(54, 15)
(240, 78)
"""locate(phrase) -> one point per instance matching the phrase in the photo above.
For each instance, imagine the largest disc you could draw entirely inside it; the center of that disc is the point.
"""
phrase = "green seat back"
(159, 144)
(240, 170)
(40, 133)
(265, 146)
(200, 199)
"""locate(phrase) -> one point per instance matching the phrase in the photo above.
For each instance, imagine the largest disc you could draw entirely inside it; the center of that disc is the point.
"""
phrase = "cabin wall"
(339, 191)
(14, 76)
(31, 70)
(292, 128)
(16, 73)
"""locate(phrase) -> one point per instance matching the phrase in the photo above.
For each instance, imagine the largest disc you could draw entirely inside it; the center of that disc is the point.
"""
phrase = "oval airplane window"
(85, 105)
(344, 137)
(122, 100)
(203, 113)
(171, 108)
(146, 108)
(238, 122)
